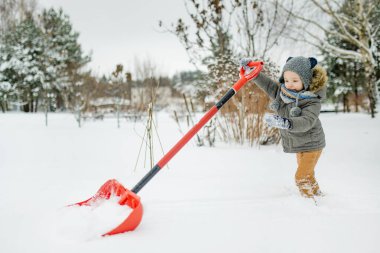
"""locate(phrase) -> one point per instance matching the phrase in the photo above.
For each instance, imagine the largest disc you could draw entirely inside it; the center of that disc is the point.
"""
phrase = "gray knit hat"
(302, 66)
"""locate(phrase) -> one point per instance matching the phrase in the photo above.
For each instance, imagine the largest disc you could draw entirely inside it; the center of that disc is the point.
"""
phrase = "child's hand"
(245, 70)
(244, 62)
(277, 121)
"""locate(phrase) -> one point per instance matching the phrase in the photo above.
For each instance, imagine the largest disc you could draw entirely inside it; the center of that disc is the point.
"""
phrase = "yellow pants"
(305, 178)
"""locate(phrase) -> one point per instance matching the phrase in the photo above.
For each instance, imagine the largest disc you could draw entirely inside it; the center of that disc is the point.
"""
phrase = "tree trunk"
(46, 117)
(346, 107)
(31, 102)
(26, 107)
(118, 114)
(371, 87)
(368, 61)
(356, 98)
(59, 102)
(79, 118)
(129, 87)
(372, 101)
(36, 105)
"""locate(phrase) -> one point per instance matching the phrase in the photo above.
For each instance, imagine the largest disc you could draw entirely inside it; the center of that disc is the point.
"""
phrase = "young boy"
(297, 103)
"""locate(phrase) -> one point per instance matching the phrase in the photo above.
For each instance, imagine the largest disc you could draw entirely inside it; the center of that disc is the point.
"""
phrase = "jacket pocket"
(318, 136)
(298, 140)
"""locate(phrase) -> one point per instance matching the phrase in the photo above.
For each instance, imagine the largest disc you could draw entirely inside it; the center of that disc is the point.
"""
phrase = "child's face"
(292, 81)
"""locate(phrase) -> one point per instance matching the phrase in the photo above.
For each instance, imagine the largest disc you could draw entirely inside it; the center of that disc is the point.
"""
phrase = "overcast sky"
(118, 31)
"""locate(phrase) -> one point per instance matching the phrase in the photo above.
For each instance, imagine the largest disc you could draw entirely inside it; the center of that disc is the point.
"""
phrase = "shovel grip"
(182, 142)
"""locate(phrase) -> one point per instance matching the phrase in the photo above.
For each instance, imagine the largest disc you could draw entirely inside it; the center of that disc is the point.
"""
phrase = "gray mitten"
(244, 63)
(277, 121)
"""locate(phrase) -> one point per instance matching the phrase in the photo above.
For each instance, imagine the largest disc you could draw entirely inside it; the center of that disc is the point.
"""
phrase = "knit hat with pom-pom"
(302, 66)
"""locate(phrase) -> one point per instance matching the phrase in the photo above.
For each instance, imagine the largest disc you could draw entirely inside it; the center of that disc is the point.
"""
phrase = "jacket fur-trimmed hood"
(319, 81)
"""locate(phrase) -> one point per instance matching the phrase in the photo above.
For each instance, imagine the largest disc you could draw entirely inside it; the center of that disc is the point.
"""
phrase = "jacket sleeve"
(269, 86)
(308, 118)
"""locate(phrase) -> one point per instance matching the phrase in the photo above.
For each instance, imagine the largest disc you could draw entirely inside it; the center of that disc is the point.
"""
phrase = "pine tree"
(40, 62)
(347, 76)
(22, 72)
(63, 52)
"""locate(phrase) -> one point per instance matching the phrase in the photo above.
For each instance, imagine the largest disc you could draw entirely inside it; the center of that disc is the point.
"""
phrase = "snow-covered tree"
(186, 82)
(39, 61)
(5, 90)
(77, 101)
(117, 89)
(22, 71)
(346, 75)
(357, 24)
(221, 32)
(65, 57)
(14, 11)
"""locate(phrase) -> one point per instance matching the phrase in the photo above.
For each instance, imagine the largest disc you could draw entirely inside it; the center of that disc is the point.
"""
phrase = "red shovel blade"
(127, 197)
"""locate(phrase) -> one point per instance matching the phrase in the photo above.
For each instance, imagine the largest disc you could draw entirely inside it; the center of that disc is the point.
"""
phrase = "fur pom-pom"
(295, 112)
(275, 105)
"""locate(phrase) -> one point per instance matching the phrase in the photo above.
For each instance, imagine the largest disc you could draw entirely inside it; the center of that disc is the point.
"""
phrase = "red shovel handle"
(255, 68)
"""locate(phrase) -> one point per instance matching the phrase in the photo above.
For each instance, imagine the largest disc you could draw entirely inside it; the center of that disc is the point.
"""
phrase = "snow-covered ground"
(223, 199)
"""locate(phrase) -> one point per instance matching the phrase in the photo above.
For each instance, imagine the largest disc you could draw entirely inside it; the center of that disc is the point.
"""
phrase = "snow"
(83, 223)
(341, 90)
(228, 198)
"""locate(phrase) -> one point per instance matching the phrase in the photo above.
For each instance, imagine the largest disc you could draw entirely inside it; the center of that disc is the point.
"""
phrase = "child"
(297, 103)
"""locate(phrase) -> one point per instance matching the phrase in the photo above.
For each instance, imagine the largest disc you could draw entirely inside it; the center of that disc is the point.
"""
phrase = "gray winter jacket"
(306, 133)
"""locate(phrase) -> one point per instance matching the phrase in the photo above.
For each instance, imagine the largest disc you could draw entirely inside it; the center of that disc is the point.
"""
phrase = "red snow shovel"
(130, 198)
